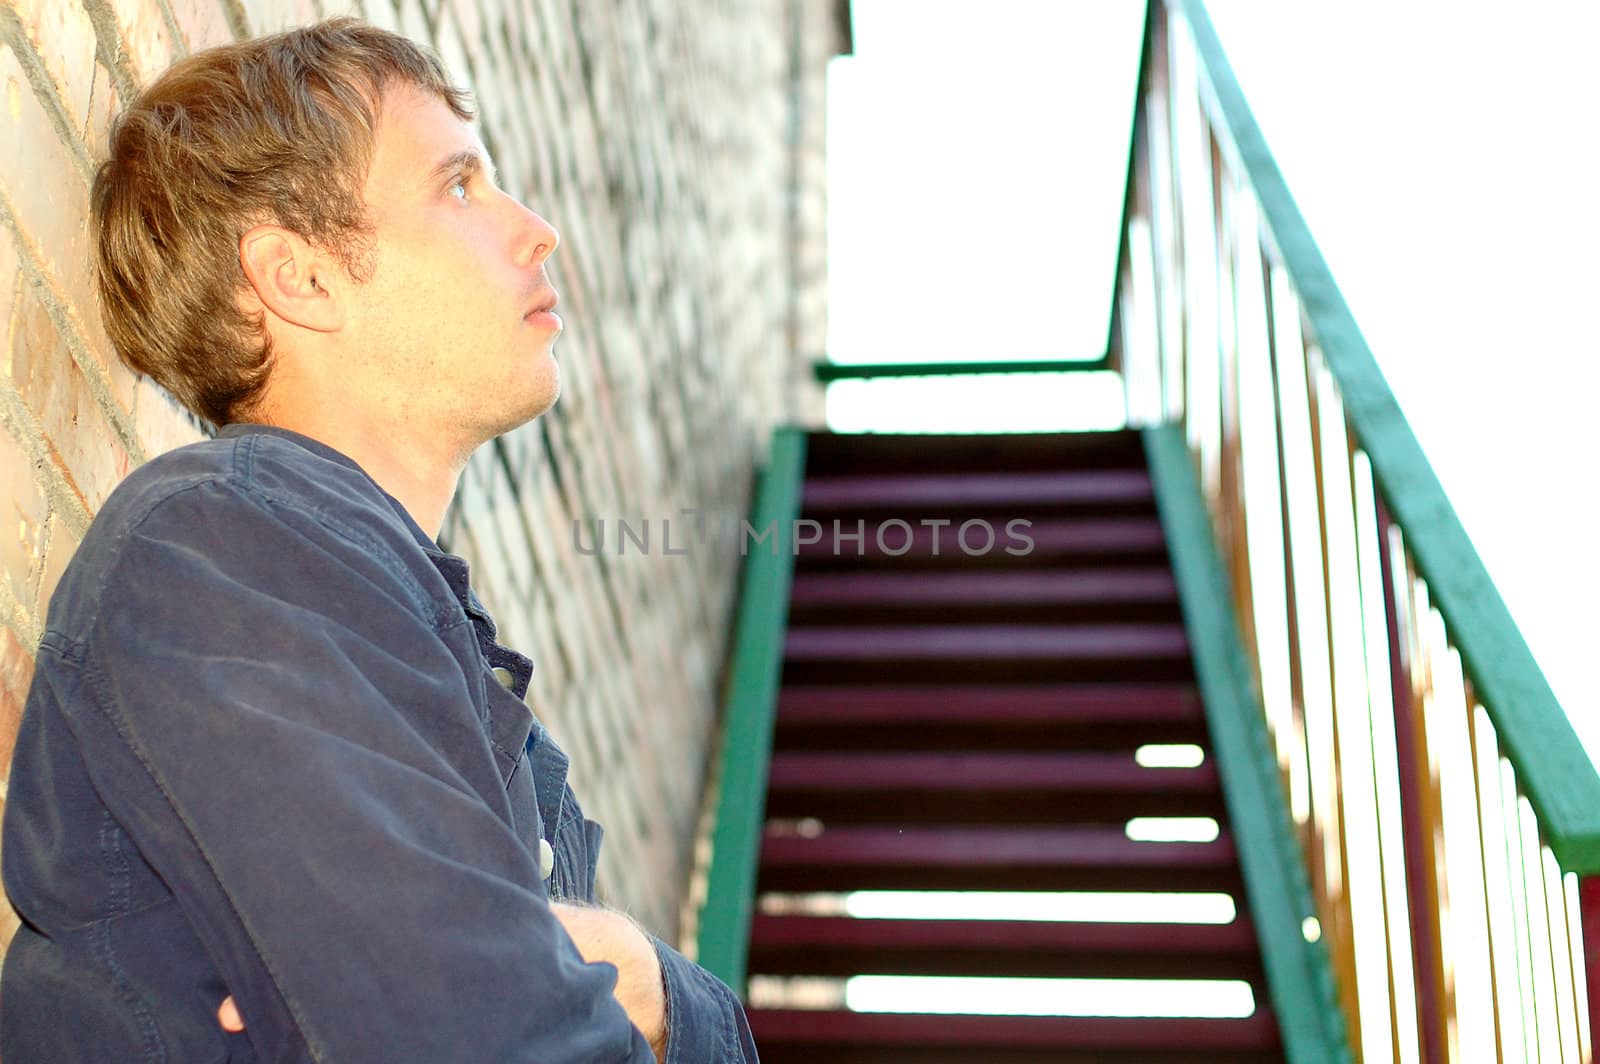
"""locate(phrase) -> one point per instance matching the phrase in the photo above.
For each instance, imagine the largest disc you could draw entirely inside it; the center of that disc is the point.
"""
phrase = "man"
(276, 796)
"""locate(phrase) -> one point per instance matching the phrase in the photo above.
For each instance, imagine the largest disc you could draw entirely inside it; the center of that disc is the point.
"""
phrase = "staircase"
(958, 716)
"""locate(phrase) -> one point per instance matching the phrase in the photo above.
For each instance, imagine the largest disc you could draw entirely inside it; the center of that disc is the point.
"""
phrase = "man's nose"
(539, 239)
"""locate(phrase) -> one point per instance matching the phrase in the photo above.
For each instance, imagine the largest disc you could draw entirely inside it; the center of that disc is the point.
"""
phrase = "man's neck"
(422, 478)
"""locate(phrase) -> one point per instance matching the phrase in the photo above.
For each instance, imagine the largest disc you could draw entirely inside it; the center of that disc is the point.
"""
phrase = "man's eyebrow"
(465, 162)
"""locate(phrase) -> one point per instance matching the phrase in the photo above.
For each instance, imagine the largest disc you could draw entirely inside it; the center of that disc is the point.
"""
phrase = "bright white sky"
(1446, 156)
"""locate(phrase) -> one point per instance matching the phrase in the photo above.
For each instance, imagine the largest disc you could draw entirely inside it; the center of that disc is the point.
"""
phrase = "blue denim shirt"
(272, 749)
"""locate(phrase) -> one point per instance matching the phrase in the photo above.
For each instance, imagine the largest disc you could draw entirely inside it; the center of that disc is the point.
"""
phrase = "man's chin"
(536, 406)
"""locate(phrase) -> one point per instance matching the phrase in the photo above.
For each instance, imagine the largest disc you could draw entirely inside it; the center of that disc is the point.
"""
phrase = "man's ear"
(293, 280)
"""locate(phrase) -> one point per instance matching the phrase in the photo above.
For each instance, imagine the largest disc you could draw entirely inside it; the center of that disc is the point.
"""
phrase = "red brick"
(46, 190)
(449, 43)
(9, 921)
(143, 35)
(63, 37)
(159, 421)
(16, 673)
(201, 23)
(469, 21)
(54, 389)
(104, 104)
(10, 282)
(61, 546)
(381, 13)
(23, 523)
(51, 202)
(413, 22)
(271, 16)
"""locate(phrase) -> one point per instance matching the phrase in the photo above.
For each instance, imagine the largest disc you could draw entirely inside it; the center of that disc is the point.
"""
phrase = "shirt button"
(547, 859)
(506, 677)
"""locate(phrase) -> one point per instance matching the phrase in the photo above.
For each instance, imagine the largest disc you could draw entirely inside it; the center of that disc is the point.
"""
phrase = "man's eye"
(462, 185)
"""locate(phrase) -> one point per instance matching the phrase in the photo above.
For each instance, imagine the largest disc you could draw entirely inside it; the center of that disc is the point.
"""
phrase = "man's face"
(444, 324)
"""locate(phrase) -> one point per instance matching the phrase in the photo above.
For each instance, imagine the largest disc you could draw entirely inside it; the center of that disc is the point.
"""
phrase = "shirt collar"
(322, 450)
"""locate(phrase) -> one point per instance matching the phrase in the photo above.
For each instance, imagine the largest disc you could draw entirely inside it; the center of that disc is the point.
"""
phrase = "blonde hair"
(276, 130)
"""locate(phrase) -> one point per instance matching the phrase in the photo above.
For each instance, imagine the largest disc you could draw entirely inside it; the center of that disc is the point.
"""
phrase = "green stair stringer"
(755, 670)
(1278, 888)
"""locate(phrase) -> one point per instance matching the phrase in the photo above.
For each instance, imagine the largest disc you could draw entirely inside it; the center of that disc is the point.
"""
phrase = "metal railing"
(1447, 814)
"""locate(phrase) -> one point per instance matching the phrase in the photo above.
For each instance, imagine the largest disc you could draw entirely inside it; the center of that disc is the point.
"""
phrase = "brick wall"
(677, 145)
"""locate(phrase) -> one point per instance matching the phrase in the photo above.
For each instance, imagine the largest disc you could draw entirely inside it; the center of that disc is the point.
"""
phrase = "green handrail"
(1555, 772)
(755, 668)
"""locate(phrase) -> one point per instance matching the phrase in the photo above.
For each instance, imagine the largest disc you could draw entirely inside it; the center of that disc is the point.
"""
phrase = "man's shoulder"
(240, 477)
(237, 493)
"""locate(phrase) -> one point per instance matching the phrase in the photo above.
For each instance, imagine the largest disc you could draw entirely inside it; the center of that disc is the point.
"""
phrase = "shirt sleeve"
(271, 711)
(705, 1022)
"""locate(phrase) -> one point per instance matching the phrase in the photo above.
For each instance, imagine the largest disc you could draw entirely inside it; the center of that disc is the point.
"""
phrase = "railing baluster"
(1465, 913)
(1368, 952)
(1523, 926)
(1560, 956)
(1575, 948)
(1285, 348)
(1262, 494)
(1544, 987)
(1386, 767)
(1420, 895)
(1497, 874)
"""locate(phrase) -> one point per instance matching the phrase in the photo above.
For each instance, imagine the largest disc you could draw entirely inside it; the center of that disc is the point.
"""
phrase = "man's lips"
(544, 305)
(542, 316)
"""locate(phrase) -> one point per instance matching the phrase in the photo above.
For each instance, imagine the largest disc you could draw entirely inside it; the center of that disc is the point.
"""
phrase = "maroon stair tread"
(1041, 540)
(982, 772)
(965, 787)
(882, 452)
(846, 491)
(855, 857)
(1003, 715)
(911, 704)
(846, 451)
(836, 945)
(989, 641)
(982, 588)
(868, 846)
(1255, 1033)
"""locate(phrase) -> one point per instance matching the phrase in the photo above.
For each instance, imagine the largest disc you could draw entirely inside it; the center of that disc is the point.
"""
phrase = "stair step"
(1016, 641)
(984, 595)
(856, 492)
(839, 1037)
(1051, 705)
(1015, 787)
(829, 453)
(843, 946)
(987, 652)
(988, 716)
(1089, 540)
(961, 589)
(848, 858)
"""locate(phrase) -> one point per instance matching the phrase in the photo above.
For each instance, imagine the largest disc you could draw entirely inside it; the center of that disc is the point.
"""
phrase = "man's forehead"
(419, 138)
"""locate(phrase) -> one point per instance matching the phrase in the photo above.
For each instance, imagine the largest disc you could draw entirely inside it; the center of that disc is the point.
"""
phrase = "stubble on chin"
(537, 402)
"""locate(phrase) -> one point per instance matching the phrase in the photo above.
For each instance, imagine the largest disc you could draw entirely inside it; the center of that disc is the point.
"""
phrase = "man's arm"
(601, 936)
(604, 936)
(709, 1023)
(291, 742)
